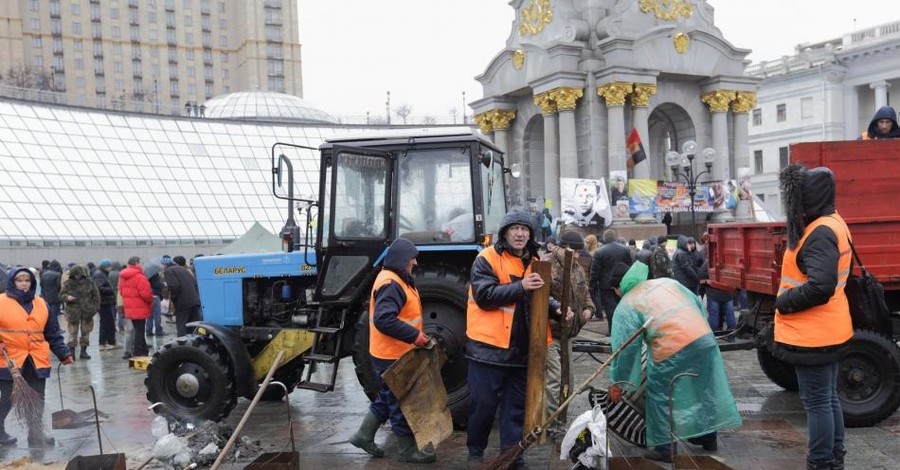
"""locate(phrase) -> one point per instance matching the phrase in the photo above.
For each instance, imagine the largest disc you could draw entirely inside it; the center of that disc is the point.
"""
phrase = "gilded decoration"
(546, 103)
(681, 41)
(667, 10)
(718, 100)
(484, 123)
(518, 59)
(640, 97)
(565, 98)
(534, 17)
(744, 102)
(615, 93)
(501, 118)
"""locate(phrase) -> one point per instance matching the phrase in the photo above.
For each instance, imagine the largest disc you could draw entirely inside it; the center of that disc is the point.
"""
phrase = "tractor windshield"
(435, 202)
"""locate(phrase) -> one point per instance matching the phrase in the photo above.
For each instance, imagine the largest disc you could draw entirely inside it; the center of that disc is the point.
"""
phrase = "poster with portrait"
(642, 196)
(585, 202)
(722, 195)
(744, 188)
(676, 197)
(618, 186)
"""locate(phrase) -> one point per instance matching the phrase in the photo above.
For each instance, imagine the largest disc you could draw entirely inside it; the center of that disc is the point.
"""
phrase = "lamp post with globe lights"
(684, 161)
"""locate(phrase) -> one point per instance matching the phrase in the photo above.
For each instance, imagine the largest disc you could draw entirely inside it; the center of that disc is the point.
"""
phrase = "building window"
(757, 117)
(223, 41)
(76, 28)
(276, 84)
(76, 9)
(96, 30)
(78, 45)
(33, 5)
(115, 31)
(781, 113)
(136, 33)
(119, 84)
(36, 42)
(153, 35)
(189, 55)
(224, 57)
(79, 63)
(191, 89)
(114, 13)
(38, 61)
(276, 68)
(190, 71)
(35, 24)
(188, 20)
(151, 17)
(189, 39)
(223, 23)
(757, 162)
(117, 67)
(806, 108)
(783, 157)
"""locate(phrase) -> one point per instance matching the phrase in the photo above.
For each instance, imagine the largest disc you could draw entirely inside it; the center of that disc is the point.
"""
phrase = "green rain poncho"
(679, 340)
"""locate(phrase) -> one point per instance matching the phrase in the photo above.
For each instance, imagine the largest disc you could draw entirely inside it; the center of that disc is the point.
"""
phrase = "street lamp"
(685, 160)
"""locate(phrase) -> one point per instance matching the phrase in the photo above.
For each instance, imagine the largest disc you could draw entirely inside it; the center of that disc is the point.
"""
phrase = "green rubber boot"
(364, 438)
(409, 451)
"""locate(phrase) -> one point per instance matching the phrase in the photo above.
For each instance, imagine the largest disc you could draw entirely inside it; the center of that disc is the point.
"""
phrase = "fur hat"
(571, 239)
(791, 182)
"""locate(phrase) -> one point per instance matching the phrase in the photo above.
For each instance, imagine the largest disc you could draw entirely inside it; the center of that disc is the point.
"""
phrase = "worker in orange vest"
(812, 317)
(395, 327)
(497, 326)
(28, 333)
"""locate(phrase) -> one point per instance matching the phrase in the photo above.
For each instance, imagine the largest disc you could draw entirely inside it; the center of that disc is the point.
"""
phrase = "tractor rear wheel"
(779, 372)
(192, 378)
(443, 293)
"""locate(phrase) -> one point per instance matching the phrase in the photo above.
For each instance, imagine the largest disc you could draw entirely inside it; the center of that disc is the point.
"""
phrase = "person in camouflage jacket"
(82, 301)
(580, 304)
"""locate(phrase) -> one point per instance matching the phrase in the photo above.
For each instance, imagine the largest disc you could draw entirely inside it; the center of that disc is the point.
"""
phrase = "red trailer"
(748, 256)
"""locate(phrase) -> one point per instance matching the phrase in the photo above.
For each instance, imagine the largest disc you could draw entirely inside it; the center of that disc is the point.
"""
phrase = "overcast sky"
(427, 52)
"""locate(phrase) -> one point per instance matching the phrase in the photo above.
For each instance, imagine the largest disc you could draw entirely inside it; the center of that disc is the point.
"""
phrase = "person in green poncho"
(678, 340)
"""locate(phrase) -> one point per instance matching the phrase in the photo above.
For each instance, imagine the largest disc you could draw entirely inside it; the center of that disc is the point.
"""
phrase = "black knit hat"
(572, 239)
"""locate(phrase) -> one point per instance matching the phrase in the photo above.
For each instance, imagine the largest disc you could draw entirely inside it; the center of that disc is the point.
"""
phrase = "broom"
(509, 456)
(28, 403)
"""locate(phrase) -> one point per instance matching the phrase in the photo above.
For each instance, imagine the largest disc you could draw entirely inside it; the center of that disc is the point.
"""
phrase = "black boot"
(84, 354)
(6, 440)
(838, 460)
(364, 438)
(819, 465)
(409, 451)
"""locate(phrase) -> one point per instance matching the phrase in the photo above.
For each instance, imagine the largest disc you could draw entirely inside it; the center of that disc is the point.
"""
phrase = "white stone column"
(551, 151)
(615, 93)
(718, 101)
(495, 123)
(565, 99)
(640, 112)
(880, 88)
(741, 107)
(851, 115)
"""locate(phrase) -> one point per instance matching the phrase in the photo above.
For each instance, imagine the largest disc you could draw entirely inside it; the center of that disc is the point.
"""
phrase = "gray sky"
(427, 52)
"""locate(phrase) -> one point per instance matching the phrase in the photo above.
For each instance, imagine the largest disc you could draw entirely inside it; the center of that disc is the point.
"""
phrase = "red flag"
(635, 149)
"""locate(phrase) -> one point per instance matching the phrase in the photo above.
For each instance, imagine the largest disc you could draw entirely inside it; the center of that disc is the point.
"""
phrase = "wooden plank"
(535, 407)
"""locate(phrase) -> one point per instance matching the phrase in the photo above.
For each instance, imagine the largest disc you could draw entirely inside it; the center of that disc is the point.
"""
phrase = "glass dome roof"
(265, 106)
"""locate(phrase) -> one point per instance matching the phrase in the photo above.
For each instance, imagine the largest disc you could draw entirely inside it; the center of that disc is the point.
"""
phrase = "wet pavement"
(773, 435)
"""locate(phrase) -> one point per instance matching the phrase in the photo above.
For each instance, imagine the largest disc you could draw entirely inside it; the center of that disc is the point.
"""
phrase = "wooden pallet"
(139, 362)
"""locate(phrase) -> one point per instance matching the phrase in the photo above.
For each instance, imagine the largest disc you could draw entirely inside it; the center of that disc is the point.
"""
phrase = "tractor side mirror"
(514, 170)
(487, 159)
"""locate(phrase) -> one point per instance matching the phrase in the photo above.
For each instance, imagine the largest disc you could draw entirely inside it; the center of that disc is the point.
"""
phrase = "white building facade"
(826, 91)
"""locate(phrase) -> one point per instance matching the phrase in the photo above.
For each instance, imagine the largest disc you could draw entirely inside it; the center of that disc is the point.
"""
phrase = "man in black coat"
(100, 276)
(605, 258)
(51, 283)
(183, 294)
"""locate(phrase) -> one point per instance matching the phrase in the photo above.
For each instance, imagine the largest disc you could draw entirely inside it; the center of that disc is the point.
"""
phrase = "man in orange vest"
(497, 327)
(395, 327)
(812, 318)
(28, 333)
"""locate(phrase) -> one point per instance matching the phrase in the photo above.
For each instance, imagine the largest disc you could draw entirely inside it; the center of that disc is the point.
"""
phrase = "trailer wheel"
(869, 379)
(779, 372)
(192, 379)
(443, 293)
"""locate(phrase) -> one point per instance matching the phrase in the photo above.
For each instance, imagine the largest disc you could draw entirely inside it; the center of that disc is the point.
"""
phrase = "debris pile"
(199, 444)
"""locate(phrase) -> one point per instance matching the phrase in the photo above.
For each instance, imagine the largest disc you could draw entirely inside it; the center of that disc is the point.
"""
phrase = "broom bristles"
(28, 403)
(504, 460)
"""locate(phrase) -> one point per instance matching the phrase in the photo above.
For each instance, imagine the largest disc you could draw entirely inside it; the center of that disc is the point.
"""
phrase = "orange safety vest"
(823, 325)
(494, 326)
(23, 334)
(381, 345)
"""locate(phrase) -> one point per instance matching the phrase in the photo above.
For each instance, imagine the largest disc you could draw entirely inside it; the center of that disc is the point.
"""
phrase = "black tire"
(869, 379)
(779, 372)
(192, 378)
(443, 290)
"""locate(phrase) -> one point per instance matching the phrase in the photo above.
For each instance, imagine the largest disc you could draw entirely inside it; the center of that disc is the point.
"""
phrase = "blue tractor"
(443, 189)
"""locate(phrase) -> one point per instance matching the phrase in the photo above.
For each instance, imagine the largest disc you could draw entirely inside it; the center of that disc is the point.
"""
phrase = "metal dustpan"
(71, 419)
(97, 462)
(279, 460)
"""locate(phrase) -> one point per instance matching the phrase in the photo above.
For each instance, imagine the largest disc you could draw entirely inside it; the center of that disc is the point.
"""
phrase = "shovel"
(97, 462)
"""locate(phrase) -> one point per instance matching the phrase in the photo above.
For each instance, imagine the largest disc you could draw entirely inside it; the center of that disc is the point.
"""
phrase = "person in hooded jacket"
(812, 316)
(685, 267)
(137, 297)
(678, 341)
(107, 305)
(883, 125)
(154, 273)
(610, 253)
(497, 319)
(51, 283)
(661, 263)
(183, 294)
(395, 327)
(82, 301)
(28, 333)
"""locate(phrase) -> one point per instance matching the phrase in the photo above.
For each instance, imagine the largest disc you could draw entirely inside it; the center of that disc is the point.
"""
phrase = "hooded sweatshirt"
(391, 298)
(885, 112)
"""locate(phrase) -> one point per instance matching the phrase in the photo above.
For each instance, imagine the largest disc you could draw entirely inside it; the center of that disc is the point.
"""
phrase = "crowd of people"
(128, 300)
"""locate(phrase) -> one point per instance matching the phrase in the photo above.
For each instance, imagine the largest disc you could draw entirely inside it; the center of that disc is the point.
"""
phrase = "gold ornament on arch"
(534, 17)
(667, 10)
(518, 59)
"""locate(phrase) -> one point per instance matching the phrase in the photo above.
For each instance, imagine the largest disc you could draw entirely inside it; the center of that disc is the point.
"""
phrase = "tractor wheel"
(869, 379)
(779, 372)
(192, 378)
(443, 293)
